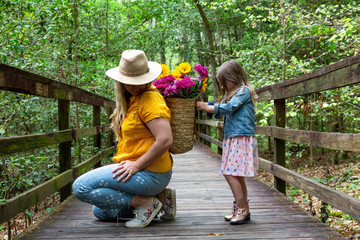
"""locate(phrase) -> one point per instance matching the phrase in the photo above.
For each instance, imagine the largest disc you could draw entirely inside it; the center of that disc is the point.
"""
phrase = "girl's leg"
(240, 212)
(238, 188)
(244, 188)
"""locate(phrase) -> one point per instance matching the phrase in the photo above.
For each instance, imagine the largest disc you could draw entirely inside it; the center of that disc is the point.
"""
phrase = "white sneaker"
(143, 216)
(169, 207)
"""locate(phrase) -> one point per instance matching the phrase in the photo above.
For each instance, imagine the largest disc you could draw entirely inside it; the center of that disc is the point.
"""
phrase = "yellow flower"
(184, 67)
(176, 74)
(165, 69)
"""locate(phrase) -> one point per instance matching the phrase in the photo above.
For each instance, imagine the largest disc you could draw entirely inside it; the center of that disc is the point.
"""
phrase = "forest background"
(75, 41)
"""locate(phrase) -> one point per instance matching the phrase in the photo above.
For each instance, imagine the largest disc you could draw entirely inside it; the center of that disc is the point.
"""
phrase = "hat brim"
(155, 70)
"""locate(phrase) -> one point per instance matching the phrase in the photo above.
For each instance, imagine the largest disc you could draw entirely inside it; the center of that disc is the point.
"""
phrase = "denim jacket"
(239, 114)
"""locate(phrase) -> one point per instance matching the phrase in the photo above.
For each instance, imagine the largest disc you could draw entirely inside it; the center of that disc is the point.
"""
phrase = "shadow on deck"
(203, 198)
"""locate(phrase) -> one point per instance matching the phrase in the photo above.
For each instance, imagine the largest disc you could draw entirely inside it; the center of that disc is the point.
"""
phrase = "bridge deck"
(203, 198)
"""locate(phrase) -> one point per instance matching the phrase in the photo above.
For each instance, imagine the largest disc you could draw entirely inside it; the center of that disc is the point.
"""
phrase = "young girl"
(239, 157)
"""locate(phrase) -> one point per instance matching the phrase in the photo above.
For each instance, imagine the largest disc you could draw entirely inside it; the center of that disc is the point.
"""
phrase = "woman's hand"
(125, 169)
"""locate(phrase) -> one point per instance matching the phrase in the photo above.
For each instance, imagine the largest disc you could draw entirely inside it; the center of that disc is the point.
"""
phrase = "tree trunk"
(106, 34)
(76, 22)
(211, 46)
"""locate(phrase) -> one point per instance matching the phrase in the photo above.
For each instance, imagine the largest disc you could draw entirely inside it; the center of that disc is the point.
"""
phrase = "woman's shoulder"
(152, 95)
(152, 98)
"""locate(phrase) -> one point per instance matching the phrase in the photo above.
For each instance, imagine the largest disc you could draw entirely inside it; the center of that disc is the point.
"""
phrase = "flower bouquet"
(180, 92)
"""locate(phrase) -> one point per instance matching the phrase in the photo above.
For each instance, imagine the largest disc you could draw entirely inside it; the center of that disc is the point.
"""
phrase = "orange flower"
(203, 89)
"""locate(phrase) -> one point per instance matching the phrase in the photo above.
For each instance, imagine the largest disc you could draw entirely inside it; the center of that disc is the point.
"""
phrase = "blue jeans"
(109, 197)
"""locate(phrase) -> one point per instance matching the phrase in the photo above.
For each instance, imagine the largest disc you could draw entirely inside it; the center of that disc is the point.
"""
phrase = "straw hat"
(134, 69)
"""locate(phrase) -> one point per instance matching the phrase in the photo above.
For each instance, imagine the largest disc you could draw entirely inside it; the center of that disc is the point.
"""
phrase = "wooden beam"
(210, 139)
(339, 74)
(337, 199)
(336, 141)
(93, 161)
(211, 123)
(279, 144)
(17, 80)
(65, 160)
(97, 137)
(24, 143)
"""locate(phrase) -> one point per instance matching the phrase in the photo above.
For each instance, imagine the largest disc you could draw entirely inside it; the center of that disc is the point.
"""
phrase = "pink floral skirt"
(240, 157)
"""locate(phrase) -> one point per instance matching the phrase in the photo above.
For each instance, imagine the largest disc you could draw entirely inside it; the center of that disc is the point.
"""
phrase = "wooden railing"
(19, 81)
(340, 74)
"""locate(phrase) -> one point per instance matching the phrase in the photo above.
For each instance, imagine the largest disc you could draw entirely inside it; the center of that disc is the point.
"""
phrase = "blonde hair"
(231, 71)
(121, 107)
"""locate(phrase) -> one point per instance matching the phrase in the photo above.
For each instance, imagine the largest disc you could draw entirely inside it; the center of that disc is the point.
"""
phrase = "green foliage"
(21, 172)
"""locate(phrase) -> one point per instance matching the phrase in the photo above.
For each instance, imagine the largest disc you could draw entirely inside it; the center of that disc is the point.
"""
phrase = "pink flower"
(202, 71)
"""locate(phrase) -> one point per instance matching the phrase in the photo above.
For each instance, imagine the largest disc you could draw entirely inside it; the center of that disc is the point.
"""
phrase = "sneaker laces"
(137, 214)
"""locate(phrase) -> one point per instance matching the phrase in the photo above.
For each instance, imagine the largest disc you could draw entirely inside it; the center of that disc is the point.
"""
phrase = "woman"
(143, 164)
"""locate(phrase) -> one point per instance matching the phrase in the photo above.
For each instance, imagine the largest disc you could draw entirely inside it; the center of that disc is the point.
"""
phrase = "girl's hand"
(125, 170)
(205, 107)
(201, 105)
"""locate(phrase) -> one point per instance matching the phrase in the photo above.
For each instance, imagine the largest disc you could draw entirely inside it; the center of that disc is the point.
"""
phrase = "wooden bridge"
(203, 197)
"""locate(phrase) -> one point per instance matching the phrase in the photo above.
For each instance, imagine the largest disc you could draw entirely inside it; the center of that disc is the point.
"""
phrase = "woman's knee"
(80, 188)
(101, 215)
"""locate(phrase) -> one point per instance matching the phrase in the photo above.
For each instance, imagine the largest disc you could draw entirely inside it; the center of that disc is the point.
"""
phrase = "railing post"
(208, 132)
(65, 147)
(97, 137)
(110, 137)
(279, 115)
(219, 136)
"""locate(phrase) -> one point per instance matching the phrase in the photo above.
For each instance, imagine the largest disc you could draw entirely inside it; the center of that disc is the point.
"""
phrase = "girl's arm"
(205, 107)
(235, 102)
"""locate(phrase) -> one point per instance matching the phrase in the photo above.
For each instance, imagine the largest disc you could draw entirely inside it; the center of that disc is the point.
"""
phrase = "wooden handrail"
(339, 74)
(10, 145)
(20, 81)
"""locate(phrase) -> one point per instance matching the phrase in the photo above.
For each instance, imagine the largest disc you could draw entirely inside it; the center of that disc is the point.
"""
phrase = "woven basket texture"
(182, 123)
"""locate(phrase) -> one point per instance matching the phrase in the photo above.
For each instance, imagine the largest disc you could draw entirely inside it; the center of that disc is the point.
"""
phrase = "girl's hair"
(231, 71)
(121, 107)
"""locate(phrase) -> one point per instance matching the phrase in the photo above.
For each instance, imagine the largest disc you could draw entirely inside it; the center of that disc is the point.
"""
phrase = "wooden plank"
(279, 144)
(212, 123)
(337, 199)
(65, 161)
(336, 141)
(29, 142)
(17, 80)
(339, 74)
(88, 164)
(210, 139)
(97, 122)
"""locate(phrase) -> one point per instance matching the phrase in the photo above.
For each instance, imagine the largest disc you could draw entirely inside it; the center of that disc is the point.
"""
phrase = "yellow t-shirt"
(136, 137)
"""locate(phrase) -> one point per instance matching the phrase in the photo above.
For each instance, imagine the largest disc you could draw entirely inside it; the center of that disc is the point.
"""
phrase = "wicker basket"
(182, 123)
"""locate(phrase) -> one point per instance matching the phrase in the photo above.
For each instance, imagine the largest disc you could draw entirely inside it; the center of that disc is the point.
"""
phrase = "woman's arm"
(161, 130)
